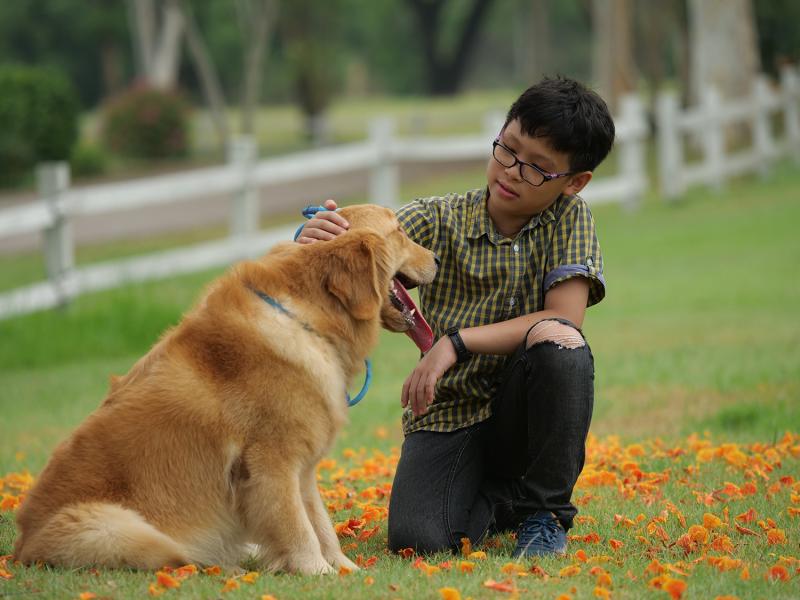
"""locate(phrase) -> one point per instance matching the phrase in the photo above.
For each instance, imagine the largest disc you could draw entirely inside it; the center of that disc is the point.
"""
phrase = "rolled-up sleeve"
(419, 219)
(575, 252)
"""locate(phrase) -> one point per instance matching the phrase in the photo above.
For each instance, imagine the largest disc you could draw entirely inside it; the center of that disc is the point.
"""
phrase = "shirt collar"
(481, 224)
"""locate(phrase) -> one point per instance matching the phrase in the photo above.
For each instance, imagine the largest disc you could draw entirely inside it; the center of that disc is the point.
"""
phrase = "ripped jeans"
(527, 457)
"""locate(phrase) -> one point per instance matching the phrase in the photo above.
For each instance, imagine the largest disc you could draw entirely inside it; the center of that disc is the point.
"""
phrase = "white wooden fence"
(706, 124)
(381, 153)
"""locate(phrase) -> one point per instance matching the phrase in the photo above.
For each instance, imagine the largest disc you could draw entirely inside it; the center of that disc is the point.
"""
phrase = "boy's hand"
(419, 387)
(324, 226)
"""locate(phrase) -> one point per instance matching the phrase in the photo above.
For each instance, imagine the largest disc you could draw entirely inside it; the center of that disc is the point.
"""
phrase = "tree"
(311, 35)
(255, 18)
(724, 47)
(446, 64)
(613, 64)
(157, 35)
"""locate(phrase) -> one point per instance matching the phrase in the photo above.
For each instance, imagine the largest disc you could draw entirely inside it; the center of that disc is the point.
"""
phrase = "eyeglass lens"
(506, 158)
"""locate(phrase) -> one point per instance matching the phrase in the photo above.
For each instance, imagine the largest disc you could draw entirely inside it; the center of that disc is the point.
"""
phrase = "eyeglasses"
(529, 172)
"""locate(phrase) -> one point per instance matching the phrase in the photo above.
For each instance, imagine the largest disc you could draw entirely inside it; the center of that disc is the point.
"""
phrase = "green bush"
(38, 119)
(87, 159)
(144, 122)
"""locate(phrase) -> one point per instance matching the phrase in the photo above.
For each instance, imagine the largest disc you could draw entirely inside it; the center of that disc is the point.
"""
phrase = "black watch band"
(462, 354)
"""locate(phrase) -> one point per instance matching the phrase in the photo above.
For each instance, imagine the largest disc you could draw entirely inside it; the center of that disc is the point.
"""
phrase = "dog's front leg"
(276, 519)
(321, 521)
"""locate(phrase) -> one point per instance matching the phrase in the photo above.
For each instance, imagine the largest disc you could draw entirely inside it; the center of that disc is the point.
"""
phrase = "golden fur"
(209, 444)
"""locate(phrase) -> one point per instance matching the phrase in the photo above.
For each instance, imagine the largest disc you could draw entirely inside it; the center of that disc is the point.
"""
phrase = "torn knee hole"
(560, 334)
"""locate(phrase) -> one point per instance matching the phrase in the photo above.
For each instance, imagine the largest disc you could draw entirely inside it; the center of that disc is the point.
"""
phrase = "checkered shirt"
(485, 278)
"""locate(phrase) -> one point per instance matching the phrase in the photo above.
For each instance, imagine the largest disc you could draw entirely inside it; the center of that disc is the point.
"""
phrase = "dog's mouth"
(418, 329)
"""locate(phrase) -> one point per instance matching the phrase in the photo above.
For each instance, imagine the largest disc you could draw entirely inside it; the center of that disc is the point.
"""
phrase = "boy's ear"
(577, 182)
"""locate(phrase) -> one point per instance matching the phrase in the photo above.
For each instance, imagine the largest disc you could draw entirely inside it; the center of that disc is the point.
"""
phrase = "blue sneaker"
(540, 534)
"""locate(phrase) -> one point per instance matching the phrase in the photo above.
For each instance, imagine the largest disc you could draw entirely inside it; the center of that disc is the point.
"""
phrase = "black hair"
(574, 119)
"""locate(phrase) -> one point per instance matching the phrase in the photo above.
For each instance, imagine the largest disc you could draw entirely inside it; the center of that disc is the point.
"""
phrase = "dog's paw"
(310, 565)
(341, 560)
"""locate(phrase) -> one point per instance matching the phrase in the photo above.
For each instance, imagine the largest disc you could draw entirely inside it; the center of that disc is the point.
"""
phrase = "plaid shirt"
(485, 278)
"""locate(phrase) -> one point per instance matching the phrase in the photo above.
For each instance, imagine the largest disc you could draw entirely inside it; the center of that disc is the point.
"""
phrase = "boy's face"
(511, 198)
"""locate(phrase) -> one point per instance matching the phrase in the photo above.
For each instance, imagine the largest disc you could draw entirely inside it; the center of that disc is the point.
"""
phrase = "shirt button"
(516, 247)
(512, 302)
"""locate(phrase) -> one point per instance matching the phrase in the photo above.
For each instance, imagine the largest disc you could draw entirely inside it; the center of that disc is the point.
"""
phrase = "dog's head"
(372, 265)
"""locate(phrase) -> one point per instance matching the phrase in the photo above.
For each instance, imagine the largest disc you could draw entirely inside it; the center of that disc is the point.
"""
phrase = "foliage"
(38, 117)
(144, 122)
(86, 40)
(87, 159)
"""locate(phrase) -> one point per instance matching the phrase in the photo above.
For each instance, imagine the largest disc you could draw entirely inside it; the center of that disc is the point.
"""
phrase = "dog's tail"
(100, 534)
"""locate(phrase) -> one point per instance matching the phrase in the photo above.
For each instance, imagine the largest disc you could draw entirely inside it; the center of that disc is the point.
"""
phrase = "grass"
(698, 333)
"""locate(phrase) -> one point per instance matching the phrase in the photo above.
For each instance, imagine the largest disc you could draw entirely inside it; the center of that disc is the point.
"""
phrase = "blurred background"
(147, 144)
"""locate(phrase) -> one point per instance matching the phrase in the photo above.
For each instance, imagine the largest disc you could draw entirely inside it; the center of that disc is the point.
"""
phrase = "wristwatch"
(462, 354)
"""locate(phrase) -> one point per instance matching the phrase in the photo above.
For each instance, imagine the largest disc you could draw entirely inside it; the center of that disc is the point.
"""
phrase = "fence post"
(384, 178)
(245, 209)
(492, 124)
(762, 130)
(670, 146)
(632, 166)
(714, 138)
(790, 91)
(52, 179)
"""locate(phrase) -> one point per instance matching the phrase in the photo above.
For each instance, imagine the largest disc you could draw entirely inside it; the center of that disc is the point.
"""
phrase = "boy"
(498, 410)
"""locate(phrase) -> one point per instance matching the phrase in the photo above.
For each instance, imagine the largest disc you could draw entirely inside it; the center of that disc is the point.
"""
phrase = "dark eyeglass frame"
(546, 176)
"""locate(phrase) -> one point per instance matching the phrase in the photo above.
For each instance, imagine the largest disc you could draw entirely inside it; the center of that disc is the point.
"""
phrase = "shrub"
(38, 118)
(144, 122)
(87, 159)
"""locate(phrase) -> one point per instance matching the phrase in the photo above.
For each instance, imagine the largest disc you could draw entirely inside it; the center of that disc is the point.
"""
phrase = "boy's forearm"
(503, 337)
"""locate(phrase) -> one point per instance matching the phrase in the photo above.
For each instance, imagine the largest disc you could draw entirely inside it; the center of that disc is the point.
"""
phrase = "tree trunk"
(212, 90)
(142, 17)
(256, 33)
(157, 42)
(724, 47)
(723, 53)
(166, 58)
(532, 55)
(446, 67)
(111, 67)
(613, 64)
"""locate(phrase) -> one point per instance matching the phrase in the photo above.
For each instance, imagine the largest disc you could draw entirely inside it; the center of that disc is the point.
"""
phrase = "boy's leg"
(437, 496)
(541, 418)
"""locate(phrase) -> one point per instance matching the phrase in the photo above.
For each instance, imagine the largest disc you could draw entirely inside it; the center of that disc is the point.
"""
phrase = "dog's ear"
(355, 272)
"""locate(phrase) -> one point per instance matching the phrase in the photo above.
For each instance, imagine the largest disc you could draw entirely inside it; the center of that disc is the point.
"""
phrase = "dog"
(208, 446)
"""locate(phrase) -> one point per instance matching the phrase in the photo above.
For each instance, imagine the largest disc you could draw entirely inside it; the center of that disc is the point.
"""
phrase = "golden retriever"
(208, 446)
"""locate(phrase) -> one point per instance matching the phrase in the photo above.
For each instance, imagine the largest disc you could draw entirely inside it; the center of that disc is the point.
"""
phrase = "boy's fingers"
(319, 234)
(330, 204)
(333, 217)
(420, 406)
(335, 227)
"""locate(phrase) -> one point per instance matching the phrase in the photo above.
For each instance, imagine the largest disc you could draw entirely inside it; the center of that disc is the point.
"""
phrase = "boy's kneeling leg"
(559, 402)
(435, 497)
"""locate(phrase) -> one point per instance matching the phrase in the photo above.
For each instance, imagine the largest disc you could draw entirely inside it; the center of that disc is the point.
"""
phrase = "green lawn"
(698, 333)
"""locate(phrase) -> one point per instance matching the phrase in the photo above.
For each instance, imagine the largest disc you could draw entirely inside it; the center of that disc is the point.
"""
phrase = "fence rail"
(706, 124)
(381, 154)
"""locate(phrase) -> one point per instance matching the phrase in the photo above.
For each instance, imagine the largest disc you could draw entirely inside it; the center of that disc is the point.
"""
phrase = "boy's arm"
(566, 300)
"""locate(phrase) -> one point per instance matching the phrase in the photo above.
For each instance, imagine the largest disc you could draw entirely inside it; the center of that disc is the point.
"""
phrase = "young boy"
(498, 410)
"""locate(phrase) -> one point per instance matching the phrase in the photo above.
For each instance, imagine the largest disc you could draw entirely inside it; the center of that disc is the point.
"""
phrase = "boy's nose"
(513, 171)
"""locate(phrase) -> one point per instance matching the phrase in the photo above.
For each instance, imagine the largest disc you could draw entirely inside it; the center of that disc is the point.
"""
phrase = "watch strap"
(462, 354)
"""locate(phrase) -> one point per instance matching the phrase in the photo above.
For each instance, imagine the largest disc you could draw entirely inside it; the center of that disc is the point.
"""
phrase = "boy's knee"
(556, 332)
(423, 539)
